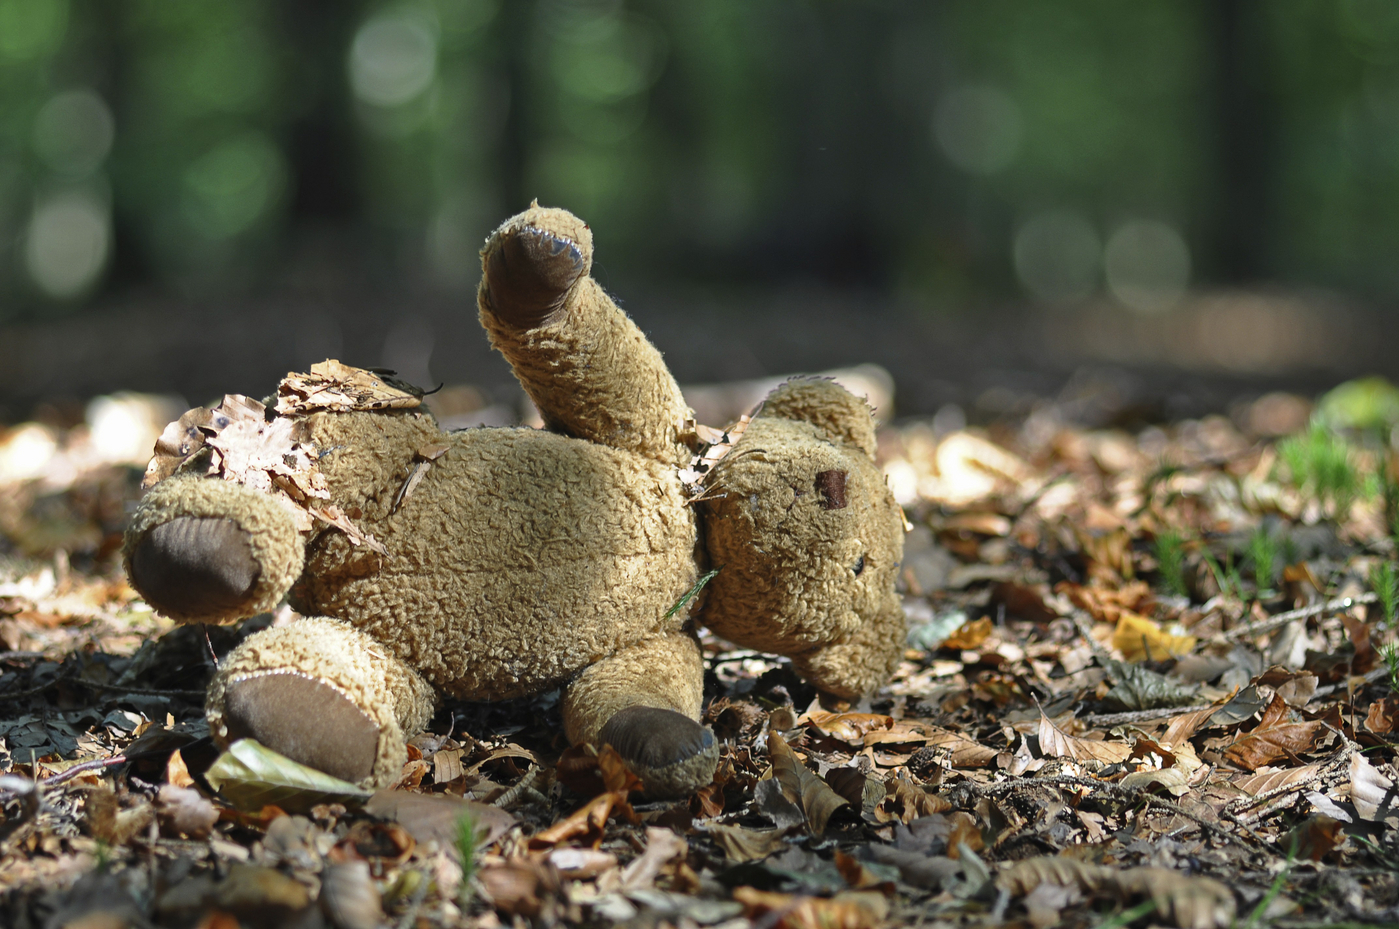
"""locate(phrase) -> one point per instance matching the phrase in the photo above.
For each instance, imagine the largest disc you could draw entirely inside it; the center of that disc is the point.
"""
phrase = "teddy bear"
(492, 563)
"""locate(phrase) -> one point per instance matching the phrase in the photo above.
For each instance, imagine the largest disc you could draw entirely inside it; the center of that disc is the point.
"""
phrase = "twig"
(1306, 612)
(1370, 677)
(123, 688)
(97, 764)
(1083, 622)
(1132, 794)
(1119, 719)
(525, 784)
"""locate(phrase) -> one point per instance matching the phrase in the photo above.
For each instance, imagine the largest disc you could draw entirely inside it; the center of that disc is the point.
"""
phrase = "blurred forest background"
(1181, 199)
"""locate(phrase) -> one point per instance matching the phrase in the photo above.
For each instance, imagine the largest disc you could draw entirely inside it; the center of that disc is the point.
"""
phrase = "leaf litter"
(1148, 682)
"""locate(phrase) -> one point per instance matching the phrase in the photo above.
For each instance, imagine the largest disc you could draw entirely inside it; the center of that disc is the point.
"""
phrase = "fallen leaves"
(811, 795)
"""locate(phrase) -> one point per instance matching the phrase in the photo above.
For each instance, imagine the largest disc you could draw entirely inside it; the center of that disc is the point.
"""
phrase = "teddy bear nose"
(831, 486)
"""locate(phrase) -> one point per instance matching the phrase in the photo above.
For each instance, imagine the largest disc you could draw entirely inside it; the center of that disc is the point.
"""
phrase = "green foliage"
(1384, 581)
(1390, 654)
(1263, 553)
(468, 837)
(1170, 562)
(1320, 464)
(1231, 583)
(1369, 404)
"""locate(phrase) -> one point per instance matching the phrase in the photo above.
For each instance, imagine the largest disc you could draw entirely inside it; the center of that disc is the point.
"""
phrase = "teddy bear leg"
(205, 550)
(644, 701)
(583, 362)
(324, 694)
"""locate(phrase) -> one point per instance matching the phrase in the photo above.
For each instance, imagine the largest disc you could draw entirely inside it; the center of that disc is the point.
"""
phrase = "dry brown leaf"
(176, 772)
(1383, 717)
(184, 811)
(846, 910)
(1372, 793)
(714, 445)
(587, 823)
(429, 817)
(348, 896)
(109, 821)
(813, 796)
(1139, 639)
(860, 877)
(963, 834)
(1055, 743)
(741, 844)
(581, 864)
(1262, 783)
(520, 886)
(1108, 604)
(331, 385)
(905, 801)
(1274, 739)
(848, 727)
(1313, 838)
(662, 847)
(1173, 781)
(178, 442)
(1190, 902)
(969, 635)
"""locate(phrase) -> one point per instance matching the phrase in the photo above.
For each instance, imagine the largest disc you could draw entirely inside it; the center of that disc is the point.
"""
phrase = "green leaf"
(690, 594)
(250, 776)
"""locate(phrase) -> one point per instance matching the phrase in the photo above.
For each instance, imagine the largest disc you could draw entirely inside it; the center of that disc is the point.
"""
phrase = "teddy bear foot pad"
(305, 719)
(672, 754)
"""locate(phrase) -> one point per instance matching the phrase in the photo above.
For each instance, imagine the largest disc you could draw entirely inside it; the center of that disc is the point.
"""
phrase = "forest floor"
(1146, 683)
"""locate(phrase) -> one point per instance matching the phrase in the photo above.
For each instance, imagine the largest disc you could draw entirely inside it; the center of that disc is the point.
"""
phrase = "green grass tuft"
(468, 836)
(1384, 581)
(1170, 562)
(1263, 552)
(1319, 463)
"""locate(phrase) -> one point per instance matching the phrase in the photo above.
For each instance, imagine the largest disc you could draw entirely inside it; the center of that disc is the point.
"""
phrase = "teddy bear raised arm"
(493, 563)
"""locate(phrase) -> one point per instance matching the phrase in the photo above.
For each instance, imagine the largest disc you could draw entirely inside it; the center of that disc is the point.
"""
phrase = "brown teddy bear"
(493, 563)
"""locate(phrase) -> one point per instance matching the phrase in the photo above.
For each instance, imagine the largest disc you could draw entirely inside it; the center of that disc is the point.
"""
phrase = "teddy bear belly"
(547, 564)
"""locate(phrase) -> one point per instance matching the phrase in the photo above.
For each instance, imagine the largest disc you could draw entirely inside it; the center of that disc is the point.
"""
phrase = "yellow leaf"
(1140, 639)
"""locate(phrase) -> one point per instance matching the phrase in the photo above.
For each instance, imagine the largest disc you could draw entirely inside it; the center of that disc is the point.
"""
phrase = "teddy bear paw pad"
(304, 718)
(671, 753)
(529, 273)
(195, 566)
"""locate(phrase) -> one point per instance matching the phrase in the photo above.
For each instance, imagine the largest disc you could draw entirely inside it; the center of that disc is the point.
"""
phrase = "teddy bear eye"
(859, 566)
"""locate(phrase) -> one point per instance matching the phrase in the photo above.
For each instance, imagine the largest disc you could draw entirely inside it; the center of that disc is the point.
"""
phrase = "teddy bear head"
(807, 540)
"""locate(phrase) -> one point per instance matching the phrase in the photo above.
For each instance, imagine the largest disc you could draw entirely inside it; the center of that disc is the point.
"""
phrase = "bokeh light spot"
(978, 127)
(1147, 264)
(230, 188)
(73, 132)
(393, 58)
(67, 243)
(1056, 256)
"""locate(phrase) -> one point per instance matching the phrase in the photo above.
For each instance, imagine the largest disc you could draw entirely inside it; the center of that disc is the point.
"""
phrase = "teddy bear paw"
(529, 273)
(304, 718)
(195, 566)
(672, 754)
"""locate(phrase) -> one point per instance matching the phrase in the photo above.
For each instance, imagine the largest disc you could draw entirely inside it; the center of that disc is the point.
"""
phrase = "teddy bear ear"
(836, 413)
